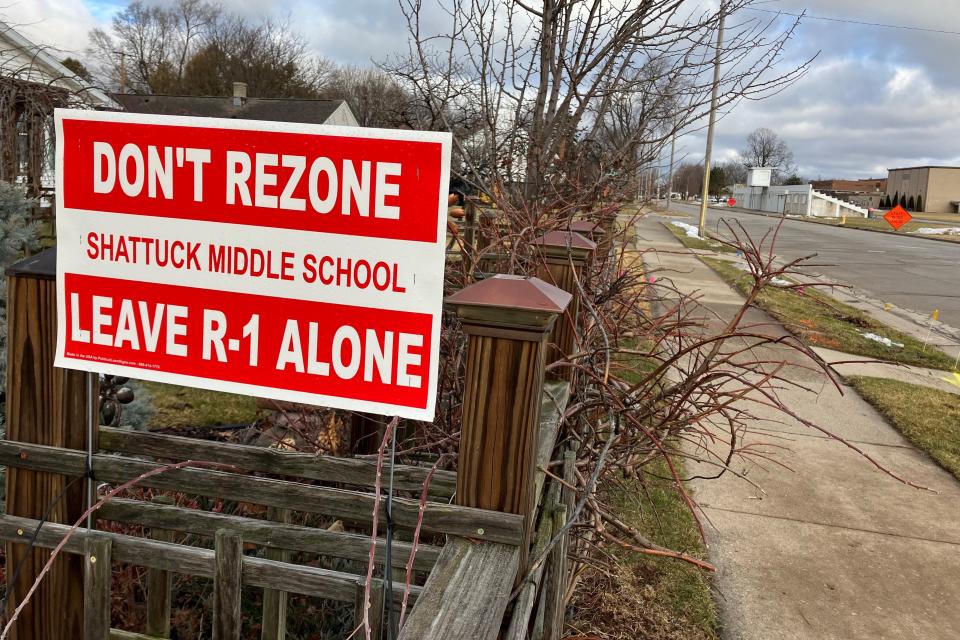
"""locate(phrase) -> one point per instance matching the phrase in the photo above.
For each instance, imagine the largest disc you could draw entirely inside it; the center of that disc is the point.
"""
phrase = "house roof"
(25, 60)
(922, 167)
(275, 109)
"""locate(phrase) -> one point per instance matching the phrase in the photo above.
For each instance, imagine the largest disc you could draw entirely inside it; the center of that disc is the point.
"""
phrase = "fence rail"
(348, 546)
(194, 561)
(263, 460)
(342, 503)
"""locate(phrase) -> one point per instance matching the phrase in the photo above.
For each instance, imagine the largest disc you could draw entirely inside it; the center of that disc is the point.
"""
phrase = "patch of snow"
(692, 231)
(887, 342)
(942, 231)
(781, 282)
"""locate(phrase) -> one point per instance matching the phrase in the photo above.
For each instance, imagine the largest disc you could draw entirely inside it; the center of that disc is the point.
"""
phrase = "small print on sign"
(897, 217)
(289, 261)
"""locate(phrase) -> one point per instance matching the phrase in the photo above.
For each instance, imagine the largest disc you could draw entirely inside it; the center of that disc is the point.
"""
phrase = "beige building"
(936, 188)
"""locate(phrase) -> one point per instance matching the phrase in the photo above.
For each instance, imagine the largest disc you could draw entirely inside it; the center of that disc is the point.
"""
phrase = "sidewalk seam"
(953, 543)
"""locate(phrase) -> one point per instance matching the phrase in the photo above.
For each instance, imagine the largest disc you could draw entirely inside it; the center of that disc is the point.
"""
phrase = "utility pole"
(713, 122)
(673, 149)
(123, 72)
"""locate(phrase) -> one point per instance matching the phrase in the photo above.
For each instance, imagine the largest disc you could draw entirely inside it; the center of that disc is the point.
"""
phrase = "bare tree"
(560, 97)
(375, 97)
(196, 48)
(764, 148)
(272, 58)
(150, 45)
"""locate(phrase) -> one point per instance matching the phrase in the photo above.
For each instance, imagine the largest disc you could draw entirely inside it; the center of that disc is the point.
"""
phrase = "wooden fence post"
(97, 581)
(587, 228)
(565, 254)
(226, 585)
(506, 320)
(275, 602)
(608, 223)
(159, 585)
(48, 406)
(470, 233)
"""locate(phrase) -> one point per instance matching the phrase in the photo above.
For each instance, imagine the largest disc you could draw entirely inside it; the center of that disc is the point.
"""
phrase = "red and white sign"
(291, 261)
(731, 202)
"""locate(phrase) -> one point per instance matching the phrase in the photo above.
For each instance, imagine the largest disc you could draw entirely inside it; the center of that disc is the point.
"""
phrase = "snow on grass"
(887, 342)
(692, 231)
(938, 231)
(780, 282)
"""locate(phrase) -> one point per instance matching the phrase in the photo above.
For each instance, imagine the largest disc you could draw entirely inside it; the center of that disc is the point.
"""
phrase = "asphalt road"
(915, 274)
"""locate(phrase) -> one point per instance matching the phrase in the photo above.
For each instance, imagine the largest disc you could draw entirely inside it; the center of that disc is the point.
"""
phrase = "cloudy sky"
(875, 97)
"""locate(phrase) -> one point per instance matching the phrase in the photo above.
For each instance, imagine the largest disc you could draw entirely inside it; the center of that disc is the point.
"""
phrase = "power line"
(859, 22)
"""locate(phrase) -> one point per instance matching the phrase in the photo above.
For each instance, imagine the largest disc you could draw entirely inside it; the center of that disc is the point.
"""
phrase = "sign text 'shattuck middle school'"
(297, 262)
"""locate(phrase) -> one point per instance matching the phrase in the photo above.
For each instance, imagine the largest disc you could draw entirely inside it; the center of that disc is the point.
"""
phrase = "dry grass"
(823, 321)
(642, 597)
(929, 418)
(176, 407)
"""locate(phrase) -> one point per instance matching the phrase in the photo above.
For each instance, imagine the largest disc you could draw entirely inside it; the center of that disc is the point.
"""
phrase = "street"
(912, 273)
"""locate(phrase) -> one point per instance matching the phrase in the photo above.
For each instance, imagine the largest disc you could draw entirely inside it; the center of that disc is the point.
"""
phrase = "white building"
(800, 200)
(25, 61)
(33, 82)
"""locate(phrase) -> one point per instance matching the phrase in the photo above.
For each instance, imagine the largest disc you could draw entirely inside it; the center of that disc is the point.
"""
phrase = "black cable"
(388, 554)
(859, 22)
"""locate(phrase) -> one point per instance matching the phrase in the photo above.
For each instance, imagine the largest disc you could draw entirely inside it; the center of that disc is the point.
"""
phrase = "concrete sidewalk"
(832, 548)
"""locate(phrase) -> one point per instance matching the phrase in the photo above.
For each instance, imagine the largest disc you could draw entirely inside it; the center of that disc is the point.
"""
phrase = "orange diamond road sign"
(897, 217)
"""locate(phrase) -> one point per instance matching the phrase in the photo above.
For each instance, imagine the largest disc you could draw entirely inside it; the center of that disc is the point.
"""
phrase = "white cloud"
(60, 24)
(902, 80)
(874, 98)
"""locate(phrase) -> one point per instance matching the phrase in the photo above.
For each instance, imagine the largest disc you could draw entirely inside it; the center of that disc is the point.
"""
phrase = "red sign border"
(348, 403)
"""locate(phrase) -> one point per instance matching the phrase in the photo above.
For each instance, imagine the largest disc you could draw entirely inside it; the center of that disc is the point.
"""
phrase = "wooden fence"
(495, 514)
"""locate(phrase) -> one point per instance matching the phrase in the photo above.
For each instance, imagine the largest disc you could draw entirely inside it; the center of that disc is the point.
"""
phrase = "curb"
(808, 221)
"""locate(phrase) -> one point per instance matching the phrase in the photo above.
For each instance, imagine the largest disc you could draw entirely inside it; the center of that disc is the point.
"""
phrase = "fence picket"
(159, 584)
(228, 569)
(275, 602)
(97, 580)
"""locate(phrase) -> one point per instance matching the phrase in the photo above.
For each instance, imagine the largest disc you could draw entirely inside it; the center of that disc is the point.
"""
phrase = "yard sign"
(290, 261)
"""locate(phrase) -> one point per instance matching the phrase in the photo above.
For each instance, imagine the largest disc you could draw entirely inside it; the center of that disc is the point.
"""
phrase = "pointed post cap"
(586, 227)
(42, 265)
(564, 244)
(518, 302)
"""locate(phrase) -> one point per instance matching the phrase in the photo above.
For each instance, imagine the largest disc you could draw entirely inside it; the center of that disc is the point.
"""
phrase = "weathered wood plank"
(120, 634)
(227, 580)
(97, 581)
(257, 572)
(553, 402)
(159, 585)
(353, 505)
(336, 544)
(264, 460)
(274, 624)
(466, 594)
(555, 581)
(527, 598)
